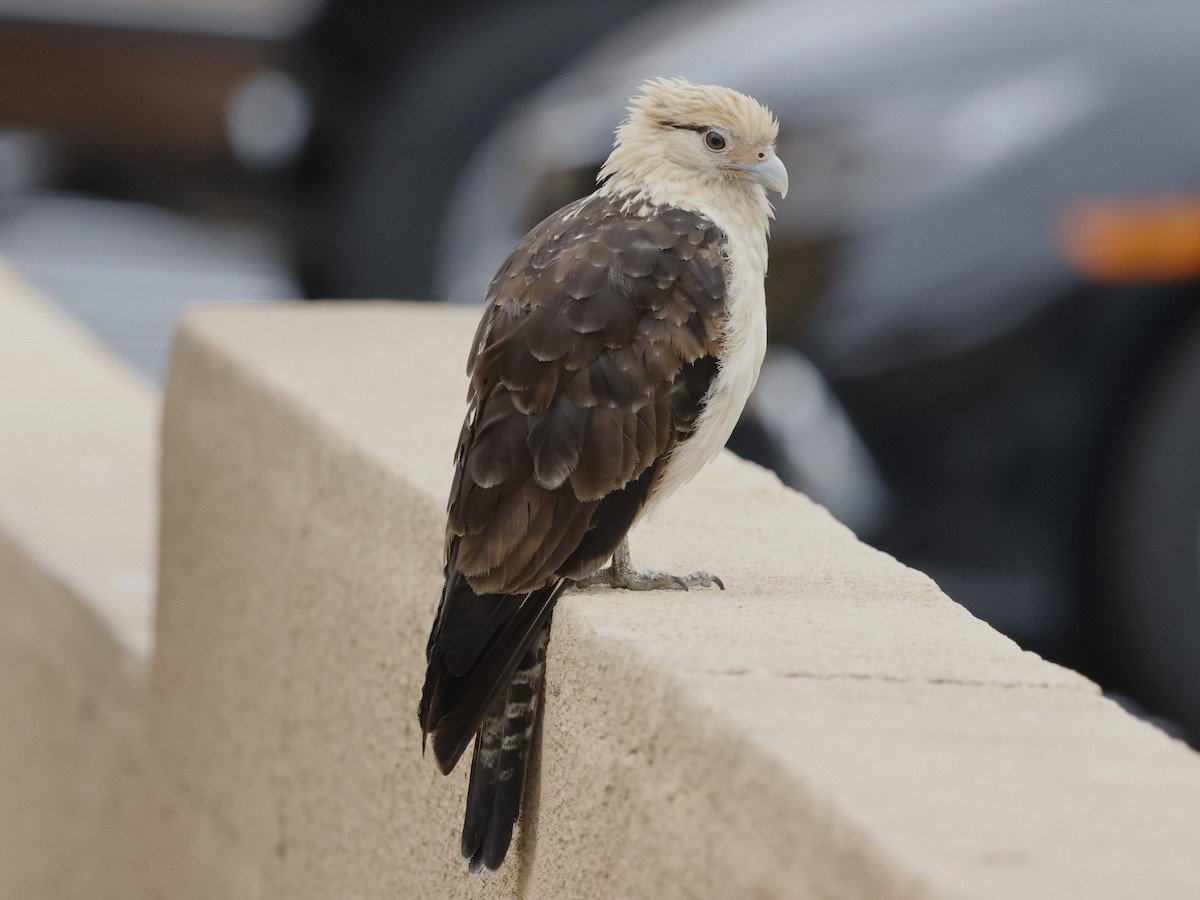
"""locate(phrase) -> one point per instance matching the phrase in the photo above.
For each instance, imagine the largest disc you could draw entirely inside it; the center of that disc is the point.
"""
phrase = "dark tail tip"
(490, 855)
(494, 795)
(498, 766)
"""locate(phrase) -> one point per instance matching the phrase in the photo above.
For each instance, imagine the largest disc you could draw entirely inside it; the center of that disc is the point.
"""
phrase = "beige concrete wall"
(829, 726)
(77, 434)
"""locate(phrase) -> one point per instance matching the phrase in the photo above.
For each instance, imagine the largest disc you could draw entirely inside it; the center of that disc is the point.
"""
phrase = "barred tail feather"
(500, 762)
(460, 688)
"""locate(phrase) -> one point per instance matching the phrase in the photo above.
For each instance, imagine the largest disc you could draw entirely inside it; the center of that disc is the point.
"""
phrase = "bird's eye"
(715, 140)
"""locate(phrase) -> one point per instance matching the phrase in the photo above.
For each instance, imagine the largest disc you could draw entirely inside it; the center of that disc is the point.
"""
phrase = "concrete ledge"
(76, 563)
(830, 726)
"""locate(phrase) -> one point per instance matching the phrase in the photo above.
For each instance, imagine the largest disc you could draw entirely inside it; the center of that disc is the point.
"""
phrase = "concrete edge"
(892, 674)
(76, 561)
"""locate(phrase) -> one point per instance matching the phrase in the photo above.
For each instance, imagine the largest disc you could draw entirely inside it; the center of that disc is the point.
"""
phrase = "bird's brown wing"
(599, 342)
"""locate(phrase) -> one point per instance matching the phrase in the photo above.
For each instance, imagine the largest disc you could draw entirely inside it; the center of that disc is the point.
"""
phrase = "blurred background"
(984, 296)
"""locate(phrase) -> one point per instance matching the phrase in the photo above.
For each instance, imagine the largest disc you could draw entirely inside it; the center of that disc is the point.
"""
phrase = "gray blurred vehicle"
(157, 152)
(325, 120)
(984, 290)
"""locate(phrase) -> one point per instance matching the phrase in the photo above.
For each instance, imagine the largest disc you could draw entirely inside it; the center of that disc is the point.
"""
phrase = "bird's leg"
(621, 574)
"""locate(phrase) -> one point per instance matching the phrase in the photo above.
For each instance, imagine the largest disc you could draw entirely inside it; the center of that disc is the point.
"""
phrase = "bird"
(619, 344)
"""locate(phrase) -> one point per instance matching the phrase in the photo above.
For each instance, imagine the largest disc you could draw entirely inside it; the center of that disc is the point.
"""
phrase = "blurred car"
(325, 120)
(984, 293)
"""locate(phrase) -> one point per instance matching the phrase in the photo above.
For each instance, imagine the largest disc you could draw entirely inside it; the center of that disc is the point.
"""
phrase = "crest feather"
(679, 102)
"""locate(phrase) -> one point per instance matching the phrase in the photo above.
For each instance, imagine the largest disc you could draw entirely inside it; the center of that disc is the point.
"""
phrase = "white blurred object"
(267, 119)
(820, 452)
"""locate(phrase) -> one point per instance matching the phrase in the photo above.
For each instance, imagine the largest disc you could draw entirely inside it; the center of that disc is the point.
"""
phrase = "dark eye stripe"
(685, 126)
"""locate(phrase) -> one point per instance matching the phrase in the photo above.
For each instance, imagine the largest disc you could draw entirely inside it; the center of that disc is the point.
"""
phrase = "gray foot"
(621, 574)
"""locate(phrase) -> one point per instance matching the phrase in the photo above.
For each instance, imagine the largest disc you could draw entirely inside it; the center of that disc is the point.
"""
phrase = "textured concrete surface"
(78, 459)
(77, 436)
(829, 726)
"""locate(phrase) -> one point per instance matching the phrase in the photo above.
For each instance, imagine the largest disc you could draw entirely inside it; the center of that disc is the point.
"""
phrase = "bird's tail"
(500, 760)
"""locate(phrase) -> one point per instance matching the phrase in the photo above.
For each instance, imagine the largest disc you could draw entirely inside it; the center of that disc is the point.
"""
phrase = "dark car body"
(980, 378)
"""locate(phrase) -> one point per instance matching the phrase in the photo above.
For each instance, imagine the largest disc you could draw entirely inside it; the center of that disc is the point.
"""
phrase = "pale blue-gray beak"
(769, 172)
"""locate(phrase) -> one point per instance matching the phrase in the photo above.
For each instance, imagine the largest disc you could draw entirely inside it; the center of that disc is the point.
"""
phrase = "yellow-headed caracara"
(620, 342)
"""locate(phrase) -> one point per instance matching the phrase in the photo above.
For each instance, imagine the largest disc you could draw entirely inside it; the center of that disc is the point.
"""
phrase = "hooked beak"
(769, 172)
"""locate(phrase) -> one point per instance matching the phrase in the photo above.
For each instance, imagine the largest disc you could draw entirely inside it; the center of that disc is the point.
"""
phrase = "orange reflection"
(1143, 239)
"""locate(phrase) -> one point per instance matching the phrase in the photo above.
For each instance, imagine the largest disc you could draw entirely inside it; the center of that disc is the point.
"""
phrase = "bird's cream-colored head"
(695, 141)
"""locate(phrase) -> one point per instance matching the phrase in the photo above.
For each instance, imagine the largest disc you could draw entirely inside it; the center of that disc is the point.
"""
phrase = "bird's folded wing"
(600, 339)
